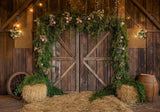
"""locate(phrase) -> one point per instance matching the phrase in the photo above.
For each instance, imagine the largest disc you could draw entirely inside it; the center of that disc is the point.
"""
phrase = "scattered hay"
(77, 102)
(34, 93)
(127, 93)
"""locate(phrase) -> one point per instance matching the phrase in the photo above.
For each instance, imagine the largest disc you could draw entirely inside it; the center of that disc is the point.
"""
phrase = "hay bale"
(34, 93)
(77, 102)
(127, 93)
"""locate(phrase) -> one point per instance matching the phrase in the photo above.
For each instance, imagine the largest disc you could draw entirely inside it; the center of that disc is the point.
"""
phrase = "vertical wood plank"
(73, 49)
(29, 60)
(92, 82)
(83, 69)
(149, 40)
(133, 62)
(65, 64)
(121, 8)
(77, 62)
(100, 66)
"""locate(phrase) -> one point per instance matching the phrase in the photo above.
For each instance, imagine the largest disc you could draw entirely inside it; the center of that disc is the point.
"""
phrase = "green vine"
(53, 25)
(39, 78)
(111, 89)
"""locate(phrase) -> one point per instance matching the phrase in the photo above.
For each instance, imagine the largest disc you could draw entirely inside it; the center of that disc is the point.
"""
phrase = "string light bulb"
(128, 17)
(17, 25)
(31, 9)
(40, 4)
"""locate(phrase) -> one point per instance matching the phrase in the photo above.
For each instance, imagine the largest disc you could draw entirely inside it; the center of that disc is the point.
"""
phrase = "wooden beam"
(64, 74)
(152, 19)
(65, 46)
(19, 11)
(63, 58)
(96, 76)
(95, 58)
(121, 8)
(98, 44)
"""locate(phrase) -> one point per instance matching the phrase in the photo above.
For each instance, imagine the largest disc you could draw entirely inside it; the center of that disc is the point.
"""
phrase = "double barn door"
(79, 62)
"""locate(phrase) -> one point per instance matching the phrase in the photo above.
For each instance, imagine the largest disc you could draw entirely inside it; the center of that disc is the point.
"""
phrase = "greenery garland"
(53, 25)
(39, 78)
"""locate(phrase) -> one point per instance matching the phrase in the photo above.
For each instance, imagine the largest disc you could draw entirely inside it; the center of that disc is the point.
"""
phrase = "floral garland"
(15, 33)
(49, 27)
(142, 34)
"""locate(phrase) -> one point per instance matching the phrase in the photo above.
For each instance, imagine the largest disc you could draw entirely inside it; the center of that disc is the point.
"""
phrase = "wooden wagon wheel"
(13, 82)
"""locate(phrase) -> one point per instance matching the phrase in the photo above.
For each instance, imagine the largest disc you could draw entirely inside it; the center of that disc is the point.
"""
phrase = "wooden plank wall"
(11, 59)
(145, 60)
(142, 60)
(86, 78)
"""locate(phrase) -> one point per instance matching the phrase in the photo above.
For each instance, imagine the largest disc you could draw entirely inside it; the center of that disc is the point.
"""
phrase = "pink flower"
(35, 48)
(42, 39)
(15, 36)
(123, 48)
(67, 21)
(89, 18)
(80, 21)
(141, 36)
(41, 64)
(67, 18)
(121, 37)
(54, 22)
(77, 22)
(122, 23)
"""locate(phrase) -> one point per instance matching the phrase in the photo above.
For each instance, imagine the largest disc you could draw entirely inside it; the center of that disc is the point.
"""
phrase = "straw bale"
(77, 102)
(127, 94)
(34, 93)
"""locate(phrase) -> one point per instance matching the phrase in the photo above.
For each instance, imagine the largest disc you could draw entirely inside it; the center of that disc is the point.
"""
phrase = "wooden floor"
(8, 104)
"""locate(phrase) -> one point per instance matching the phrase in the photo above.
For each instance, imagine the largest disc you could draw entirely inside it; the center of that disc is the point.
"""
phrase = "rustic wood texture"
(8, 104)
(25, 41)
(145, 60)
(142, 60)
(20, 10)
(12, 60)
(86, 71)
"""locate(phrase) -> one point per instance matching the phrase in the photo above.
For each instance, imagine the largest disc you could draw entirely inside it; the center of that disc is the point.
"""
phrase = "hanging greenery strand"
(53, 25)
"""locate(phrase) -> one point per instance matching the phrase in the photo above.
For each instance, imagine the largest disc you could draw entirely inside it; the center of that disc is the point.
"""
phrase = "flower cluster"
(79, 20)
(15, 33)
(49, 27)
(67, 17)
(52, 20)
(99, 13)
(43, 38)
(142, 34)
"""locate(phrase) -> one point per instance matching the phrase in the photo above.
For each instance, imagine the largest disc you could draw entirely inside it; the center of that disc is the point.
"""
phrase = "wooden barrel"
(151, 86)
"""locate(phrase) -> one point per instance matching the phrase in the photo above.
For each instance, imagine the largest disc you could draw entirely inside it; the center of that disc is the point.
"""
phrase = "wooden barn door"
(78, 63)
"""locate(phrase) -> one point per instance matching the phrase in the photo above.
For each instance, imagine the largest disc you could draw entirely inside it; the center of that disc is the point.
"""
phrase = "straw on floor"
(34, 93)
(127, 94)
(77, 102)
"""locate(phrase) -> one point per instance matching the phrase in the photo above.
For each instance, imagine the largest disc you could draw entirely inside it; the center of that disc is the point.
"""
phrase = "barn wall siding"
(145, 60)
(142, 60)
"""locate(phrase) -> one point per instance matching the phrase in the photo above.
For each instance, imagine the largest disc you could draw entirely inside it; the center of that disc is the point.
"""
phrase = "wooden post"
(152, 19)
(25, 41)
(77, 61)
(19, 11)
(121, 8)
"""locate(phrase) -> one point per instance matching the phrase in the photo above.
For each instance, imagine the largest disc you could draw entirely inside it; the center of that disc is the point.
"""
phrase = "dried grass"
(127, 94)
(34, 93)
(77, 102)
